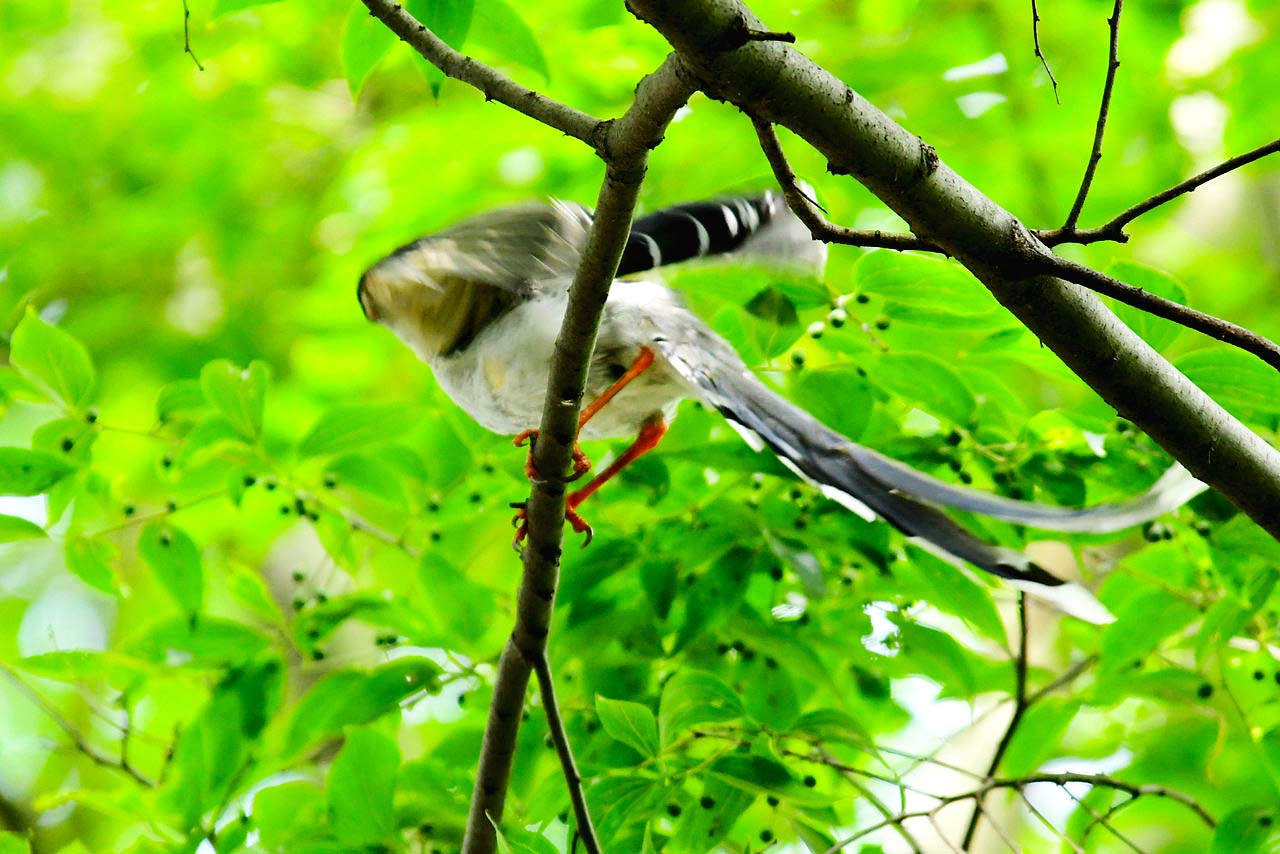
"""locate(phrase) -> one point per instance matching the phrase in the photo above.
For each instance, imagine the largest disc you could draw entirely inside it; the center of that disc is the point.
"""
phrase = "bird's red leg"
(581, 464)
(650, 433)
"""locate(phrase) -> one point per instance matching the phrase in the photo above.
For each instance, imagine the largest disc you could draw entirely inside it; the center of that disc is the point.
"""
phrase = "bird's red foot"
(581, 462)
(521, 523)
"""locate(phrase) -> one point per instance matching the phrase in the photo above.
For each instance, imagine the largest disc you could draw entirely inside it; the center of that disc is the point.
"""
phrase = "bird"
(481, 303)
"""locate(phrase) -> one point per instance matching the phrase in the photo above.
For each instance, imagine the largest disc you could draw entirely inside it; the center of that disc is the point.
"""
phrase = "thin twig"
(77, 740)
(1113, 63)
(1035, 38)
(1020, 706)
(1068, 676)
(1031, 808)
(568, 767)
(807, 209)
(1100, 820)
(1018, 784)
(1114, 230)
(495, 85)
(186, 35)
(1215, 327)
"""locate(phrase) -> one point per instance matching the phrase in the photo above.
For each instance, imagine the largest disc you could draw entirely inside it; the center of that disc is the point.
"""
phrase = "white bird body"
(482, 304)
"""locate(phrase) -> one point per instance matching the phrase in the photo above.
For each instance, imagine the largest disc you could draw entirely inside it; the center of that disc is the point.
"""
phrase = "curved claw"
(521, 523)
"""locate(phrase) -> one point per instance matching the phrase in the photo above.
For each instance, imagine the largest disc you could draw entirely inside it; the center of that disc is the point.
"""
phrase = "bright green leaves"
(1245, 386)
(213, 750)
(13, 843)
(1037, 737)
(354, 427)
(361, 790)
(174, 558)
(224, 7)
(355, 697)
(53, 361)
(630, 723)
(237, 394)
(92, 559)
(517, 840)
(24, 472)
(496, 25)
(692, 697)
(15, 528)
(365, 41)
(1248, 830)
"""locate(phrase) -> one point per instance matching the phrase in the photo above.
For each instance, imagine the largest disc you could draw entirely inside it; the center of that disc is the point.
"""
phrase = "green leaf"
(956, 593)
(1156, 331)
(630, 723)
(285, 812)
(1037, 736)
(15, 528)
(24, 472)
(517, 840)
(928, 382)
(1248, 830)
(237, 394)
(174, 558)
(450, 20)
(840, 396)
(361, 789)
(92, 560)
(693, 697)
(84, 666)
(53, 361)
(700, 830)
(499, 27)
(761, 775)
(1245, 387)
(355, 697)
(920, 281)
(225, 7)
(14, 843)
(354, 427)
(365, 41)
(1141, 625)
(181, 399)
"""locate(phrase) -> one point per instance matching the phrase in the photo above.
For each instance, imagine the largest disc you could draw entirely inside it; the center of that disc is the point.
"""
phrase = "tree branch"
(1020, 706)
(77, 740)
(1035, 40)
(1114, 230)
(547, 688)
(1215, 327)
(625, 149)
(776, 83)
(495, 85)
(807, 209)
(1113, 63)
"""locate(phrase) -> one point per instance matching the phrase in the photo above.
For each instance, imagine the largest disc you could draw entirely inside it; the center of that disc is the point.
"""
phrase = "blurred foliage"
(256, 567)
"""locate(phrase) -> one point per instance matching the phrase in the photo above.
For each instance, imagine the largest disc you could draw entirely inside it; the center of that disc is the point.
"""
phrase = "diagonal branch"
(1113, 63)
(547, 688)
(1035, 40)
(625, 149)
(774, 82)
(495, 85)
(807, 210)
(1114, 230)
(1215, 327)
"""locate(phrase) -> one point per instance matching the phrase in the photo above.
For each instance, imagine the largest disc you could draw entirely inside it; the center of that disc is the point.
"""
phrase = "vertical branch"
(1019, 709)
(625, 150)
(186, 35)
(1113, 63)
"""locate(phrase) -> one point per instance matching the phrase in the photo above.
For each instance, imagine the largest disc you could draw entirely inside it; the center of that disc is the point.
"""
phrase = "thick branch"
(495, 85)
(777, 83)
(1114, 230)
(625, 149)
(1113, 63)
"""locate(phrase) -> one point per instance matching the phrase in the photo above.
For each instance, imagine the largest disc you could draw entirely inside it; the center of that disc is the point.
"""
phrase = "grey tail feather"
(856, 476)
